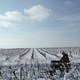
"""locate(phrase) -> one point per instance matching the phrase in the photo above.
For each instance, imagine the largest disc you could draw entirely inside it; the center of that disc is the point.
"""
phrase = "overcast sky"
(39, 23)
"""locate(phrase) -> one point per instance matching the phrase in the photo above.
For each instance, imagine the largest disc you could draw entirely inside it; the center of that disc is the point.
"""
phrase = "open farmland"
(34, 63)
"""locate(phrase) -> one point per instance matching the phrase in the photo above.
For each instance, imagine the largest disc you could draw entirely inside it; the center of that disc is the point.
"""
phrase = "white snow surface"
(35, 56)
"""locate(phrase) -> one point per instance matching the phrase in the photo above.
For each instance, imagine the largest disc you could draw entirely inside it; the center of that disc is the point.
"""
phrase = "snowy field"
(34, 63)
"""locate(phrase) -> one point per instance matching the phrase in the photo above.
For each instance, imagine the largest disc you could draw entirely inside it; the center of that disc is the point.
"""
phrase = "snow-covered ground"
(34, 63)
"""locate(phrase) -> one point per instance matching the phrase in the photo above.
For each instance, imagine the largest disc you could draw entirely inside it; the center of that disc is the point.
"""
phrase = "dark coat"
(65, 58)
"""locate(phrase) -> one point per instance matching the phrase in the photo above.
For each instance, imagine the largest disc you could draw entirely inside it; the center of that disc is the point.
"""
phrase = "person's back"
(65, 58)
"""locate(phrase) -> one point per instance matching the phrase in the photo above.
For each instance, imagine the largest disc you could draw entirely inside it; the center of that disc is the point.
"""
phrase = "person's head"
(63, 53)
